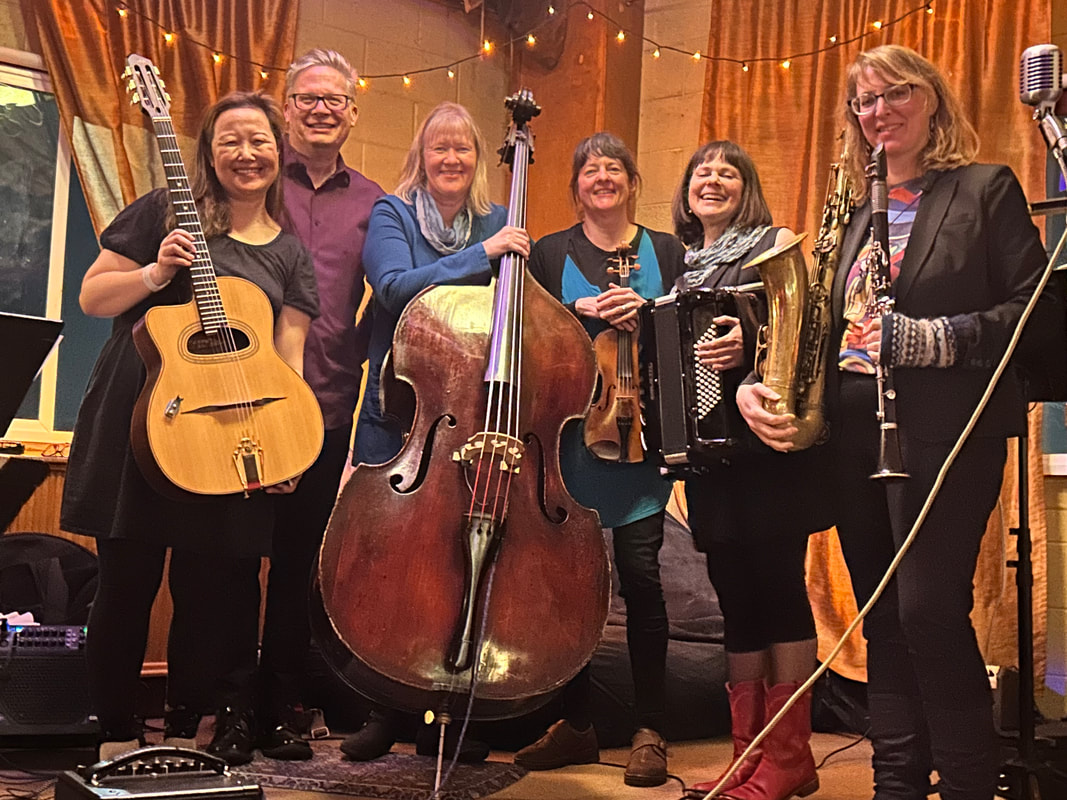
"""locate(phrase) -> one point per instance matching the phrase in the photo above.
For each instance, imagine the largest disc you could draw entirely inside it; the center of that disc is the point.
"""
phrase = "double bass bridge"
(494, 446)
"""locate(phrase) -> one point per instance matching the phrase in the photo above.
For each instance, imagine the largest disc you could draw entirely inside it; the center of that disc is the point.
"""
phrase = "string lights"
(622, 35)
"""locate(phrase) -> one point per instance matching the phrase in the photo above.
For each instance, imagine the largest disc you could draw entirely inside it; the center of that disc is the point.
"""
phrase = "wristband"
(151, 285)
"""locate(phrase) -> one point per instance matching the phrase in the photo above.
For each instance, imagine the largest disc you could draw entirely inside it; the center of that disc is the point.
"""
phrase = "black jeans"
(300, 521)
(920, 640)
(213, 629)
(637, 545)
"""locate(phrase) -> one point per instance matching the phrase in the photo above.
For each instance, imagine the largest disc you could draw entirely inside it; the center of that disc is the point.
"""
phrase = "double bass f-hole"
(613, 425)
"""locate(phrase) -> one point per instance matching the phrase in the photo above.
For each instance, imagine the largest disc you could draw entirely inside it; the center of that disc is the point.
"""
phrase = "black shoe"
(470, 752)
(372, 741)
(284, 744)
(180, 726)
(232, 741)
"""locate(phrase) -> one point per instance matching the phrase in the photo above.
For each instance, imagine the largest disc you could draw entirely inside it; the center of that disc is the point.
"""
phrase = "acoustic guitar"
(221, 411)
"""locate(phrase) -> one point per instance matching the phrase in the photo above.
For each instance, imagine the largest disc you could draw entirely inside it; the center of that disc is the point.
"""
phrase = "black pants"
(920, 641)
(213, 630)
(637, 547)
(300, 521)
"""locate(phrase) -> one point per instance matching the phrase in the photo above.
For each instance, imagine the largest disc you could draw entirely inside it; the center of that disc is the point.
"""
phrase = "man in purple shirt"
(328, 205)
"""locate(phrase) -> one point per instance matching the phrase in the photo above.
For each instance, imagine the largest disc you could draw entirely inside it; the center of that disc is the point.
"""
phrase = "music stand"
(25, 342)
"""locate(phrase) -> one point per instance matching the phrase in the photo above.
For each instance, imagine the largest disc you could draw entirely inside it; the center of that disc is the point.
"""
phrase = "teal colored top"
(620, 493)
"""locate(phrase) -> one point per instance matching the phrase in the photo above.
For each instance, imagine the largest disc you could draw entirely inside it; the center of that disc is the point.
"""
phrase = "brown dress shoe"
(561, 746)
(648, 759)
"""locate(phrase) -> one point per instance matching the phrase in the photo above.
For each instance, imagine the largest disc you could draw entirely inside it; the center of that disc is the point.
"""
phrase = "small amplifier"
(43, 682)
(157, 773)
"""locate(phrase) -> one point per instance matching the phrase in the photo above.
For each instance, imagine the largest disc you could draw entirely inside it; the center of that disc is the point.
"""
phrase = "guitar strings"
(203, 277)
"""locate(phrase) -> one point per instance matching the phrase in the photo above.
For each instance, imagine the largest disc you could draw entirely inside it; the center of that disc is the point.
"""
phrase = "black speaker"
(43, 683)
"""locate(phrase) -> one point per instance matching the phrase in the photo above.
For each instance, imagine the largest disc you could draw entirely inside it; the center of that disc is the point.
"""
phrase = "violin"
(613, 425)
(461, 577)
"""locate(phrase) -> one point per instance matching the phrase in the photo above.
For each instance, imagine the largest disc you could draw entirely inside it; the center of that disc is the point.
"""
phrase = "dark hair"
(752, 211)
(211, 199)
(606, 145)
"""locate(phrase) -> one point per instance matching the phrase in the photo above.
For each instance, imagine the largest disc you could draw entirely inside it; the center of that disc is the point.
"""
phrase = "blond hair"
(446, 119)
(953, 140)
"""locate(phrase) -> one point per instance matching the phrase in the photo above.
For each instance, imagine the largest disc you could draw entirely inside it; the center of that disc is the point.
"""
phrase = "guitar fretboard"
(202, 272)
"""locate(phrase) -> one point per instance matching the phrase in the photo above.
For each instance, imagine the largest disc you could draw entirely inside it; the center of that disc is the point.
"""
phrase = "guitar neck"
(202, 272)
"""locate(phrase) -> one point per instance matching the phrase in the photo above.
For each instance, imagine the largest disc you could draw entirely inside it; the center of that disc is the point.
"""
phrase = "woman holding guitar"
(216, 541)
(586, 268)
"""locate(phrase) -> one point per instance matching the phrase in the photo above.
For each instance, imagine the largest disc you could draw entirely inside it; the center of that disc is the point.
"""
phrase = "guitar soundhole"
(225, 340)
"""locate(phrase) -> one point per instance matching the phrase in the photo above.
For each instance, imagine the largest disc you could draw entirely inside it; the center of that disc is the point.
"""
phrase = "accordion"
(691, 417)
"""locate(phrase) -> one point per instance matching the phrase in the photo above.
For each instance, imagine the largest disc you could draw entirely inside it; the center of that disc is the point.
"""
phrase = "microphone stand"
(1027, 775)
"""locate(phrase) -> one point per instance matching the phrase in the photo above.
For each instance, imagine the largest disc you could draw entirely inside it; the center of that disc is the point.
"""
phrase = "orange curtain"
(790, 120)
(85, 44)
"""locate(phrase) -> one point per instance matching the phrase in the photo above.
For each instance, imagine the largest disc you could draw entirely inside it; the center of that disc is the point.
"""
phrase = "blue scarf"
(444, 240)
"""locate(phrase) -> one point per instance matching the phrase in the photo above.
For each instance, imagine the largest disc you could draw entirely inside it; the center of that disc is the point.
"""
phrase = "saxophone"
(791, 349)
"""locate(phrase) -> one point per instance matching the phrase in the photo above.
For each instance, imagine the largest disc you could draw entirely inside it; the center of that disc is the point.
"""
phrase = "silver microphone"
(1041, 75)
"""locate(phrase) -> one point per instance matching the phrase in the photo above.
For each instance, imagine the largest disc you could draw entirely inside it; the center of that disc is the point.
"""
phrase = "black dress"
(105, 495)
(757, 492)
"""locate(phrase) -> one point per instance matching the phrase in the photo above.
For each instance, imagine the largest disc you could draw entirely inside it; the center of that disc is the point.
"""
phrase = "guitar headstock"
(625, 262)
(146, 87)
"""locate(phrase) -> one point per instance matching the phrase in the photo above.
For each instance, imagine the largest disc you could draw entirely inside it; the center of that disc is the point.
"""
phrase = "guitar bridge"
(248, 459)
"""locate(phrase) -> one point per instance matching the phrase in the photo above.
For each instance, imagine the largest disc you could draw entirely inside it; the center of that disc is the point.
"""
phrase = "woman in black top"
(964, 259)
(753, 511)
(574, 264)
(215, 542)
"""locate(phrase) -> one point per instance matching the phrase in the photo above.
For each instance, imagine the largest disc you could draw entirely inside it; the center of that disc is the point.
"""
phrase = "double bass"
(461, 577)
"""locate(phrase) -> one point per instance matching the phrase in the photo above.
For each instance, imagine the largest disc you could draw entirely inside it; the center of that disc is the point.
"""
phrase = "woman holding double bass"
(489, 584)
(585, 268)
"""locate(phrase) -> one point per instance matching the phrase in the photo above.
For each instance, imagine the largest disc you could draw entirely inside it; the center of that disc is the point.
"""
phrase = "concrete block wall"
(401, 36)
(672, 87)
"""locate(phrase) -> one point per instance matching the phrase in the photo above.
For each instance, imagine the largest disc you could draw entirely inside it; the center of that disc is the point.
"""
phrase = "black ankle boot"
(232, 741)
(180, 726)
(966, 752)
(471, 751)
(280, 737)
(902, 760)
(373, 740)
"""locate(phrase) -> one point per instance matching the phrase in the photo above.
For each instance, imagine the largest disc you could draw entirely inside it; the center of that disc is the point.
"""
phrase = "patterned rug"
(392, 777)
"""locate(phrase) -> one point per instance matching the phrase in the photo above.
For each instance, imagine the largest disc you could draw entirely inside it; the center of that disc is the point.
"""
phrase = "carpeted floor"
(397, 776)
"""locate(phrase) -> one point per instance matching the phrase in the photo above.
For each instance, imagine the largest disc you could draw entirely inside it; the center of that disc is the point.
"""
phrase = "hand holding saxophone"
(774, 430)
(726, 351)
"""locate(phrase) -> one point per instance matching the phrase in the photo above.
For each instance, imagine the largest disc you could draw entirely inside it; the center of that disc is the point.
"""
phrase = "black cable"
(843, 748)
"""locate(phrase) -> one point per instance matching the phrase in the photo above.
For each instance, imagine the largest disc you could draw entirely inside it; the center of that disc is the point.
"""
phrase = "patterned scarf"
(444, 240)
(729, 247)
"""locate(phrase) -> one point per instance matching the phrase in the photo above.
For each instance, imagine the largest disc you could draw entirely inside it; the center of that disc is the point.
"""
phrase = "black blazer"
(974, 256)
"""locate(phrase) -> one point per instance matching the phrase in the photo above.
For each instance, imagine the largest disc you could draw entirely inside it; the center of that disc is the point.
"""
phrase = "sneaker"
(372, 741)
(471, 751)
(648, 760)
(232, 741)
(561, 746)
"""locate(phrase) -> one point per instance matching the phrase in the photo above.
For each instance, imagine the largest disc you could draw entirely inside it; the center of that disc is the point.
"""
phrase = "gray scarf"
(732, 245)
(444, 240)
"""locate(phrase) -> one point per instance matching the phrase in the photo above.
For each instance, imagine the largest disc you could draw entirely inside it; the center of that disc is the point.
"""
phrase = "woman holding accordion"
(963, 259)
(752, 511)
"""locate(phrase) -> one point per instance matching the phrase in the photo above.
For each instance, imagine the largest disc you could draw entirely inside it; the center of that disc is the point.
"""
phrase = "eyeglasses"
(56, 450)
(334, 102)
(896, 95)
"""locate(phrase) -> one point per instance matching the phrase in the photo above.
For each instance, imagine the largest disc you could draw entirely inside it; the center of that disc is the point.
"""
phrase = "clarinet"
(880, 302)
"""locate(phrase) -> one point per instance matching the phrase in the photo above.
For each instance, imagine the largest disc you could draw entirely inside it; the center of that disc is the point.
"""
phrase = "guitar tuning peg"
(135, 98)
(126, 73)
(130, 86)
(155, 69)
(166, 96)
